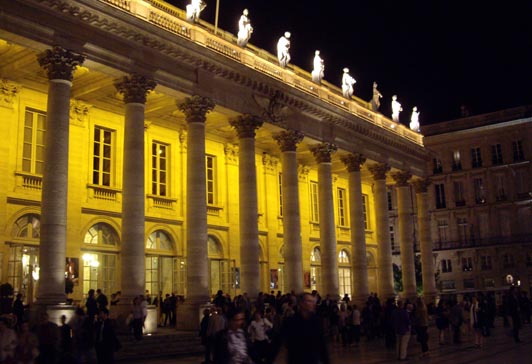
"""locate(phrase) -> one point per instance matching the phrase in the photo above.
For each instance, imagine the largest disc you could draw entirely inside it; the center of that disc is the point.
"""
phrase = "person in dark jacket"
(106, 341)
(231, 344)
(303, 336)
(403, 328)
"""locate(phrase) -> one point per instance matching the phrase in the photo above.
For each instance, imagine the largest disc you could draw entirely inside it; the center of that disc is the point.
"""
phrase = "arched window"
(160, 240)
(214, 248)
(315, 256)
(344, 273)
(27, 227)
(101, 233)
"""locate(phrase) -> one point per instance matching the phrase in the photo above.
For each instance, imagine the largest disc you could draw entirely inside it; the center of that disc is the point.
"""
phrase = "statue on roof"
(375, 101)
(414, 120)
(347, 84)
(319, 68)
(283, 46)
(244, 29)
(396, 109)
(194, 9)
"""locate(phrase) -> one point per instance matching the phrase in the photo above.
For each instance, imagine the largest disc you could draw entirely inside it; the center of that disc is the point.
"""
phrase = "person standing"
(456, 318)
(403, 327)
(514, 309)
(303, 334)
(230, 344)
(101, 299)
(18, 310)
(257, 330)
(106, 341)
(421, 323)
(48, 334)
(91, 305)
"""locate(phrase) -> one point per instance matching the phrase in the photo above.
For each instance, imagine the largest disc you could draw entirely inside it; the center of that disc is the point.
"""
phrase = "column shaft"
(52, 249)
(133, 200)
(406, 239)
(291, 224)
(358, 239)
(384, 258)
(426, 245)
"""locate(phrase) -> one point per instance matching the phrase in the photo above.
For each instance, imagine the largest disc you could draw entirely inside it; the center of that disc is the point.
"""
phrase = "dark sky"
(434, 54)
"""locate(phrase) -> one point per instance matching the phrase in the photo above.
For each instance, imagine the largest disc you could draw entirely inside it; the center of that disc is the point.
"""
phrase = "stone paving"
(499, 348)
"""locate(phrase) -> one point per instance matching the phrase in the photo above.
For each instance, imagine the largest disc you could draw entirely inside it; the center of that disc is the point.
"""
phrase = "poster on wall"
(274, 279)
(72, 270)
(306, 278)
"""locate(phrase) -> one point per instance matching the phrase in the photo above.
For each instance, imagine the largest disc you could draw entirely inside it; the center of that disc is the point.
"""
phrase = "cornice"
(259, 83)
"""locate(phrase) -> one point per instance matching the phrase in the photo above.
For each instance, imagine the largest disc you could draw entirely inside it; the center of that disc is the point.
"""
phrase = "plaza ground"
(499, 348)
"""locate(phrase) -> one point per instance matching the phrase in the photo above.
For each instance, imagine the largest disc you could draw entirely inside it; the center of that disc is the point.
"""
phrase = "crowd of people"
(255, 331)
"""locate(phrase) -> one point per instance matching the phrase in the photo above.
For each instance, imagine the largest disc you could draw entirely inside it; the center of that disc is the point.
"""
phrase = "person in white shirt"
(260, 341)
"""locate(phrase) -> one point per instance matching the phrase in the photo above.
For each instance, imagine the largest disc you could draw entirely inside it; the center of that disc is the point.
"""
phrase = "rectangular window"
(440, 196)
(467, 264)
(210, 162)
(446, 266)
(461, 223)
(438, 168)
(469, 283)
(314, 206)
(33, 149)
(448, 285)
(342, 220)
(365, 211)
(443, 227)
(476, 158)
(478, 187)
(496, 154)
(508, 261)
(280, 180)
(457, 163)
(521, 184)
(517, 149)
(159, 169)
(459, 198)
(102, 156)
(485, 262)
(500, 192)
(389, 196)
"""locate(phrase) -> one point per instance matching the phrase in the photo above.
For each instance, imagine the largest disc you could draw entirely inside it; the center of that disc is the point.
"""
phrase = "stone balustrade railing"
(174, 20)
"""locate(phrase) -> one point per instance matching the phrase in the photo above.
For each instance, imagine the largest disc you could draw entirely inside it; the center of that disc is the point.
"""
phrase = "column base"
(189, 315)
(54, 312)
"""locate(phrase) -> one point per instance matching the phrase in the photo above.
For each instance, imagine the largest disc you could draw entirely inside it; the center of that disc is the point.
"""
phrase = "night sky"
(437, 55)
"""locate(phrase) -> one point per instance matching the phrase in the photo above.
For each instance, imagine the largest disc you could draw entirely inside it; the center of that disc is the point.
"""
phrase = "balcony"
(501, 240)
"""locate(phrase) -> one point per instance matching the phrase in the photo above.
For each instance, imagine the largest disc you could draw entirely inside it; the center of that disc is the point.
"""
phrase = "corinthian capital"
(288, 140)
(135, 87)
(196, 108)
(378, 170)
(401, 178)
(421, 184)
(59, 63)
(246, 125)
(323, 152)
(353, 162)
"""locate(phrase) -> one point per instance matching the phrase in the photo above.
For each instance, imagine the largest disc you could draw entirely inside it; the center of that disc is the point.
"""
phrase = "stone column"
(322, 153)
(406, 233)
(59, 64)
(359, 262)
(195, 109)
(425, 239)
(245, 126)
(288, 141)
(384, 257)
(135, 88)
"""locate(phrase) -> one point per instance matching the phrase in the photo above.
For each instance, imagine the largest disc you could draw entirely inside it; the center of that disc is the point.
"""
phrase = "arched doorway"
(165, 273)
(222, 272)
(23, 263)
(99, 258)
(315, 269)
(344, 273)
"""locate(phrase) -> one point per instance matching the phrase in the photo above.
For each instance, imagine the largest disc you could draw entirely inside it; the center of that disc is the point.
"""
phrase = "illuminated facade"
(144, 152)
(481, 201)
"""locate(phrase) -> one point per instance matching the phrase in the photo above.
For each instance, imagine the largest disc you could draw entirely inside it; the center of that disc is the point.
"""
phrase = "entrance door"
(165, 275)
(222, 273)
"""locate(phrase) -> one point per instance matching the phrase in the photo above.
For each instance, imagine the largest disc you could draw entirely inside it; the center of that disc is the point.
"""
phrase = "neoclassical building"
(142, 151)
(481, 201)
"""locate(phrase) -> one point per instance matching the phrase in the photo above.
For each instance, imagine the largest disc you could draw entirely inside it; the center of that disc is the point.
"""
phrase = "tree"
(398, 276)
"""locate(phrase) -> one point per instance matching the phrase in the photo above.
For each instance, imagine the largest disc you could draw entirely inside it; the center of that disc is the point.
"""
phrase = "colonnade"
(60, 63)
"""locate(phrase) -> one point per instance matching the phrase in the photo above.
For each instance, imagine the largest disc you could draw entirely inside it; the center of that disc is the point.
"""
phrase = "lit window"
(210, 162)
(33, 149)
(342, 219)
(365, 211)
(457, 163)
(280, 194)
(314, 206)
(103, 157)
(159, 169)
